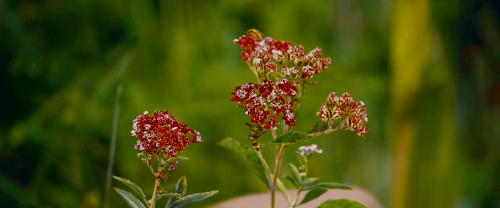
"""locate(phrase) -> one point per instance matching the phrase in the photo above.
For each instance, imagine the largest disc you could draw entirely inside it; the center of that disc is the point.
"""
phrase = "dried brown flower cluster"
(344, 108)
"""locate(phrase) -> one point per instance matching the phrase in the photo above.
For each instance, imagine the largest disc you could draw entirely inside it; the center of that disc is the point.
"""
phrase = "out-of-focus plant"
(161, 138)
(283, 71)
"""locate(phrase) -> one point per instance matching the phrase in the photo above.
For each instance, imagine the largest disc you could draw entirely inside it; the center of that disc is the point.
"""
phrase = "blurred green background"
(426, 70)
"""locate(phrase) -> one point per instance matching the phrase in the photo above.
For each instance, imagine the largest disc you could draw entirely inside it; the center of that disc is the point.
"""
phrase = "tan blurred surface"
(264, 199)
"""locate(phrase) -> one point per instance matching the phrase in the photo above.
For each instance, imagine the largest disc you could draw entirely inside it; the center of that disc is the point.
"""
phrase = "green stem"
(161, 166)
(300, 95)
(157, 186)
(301, 185)
(277, 168)
(315, 134)
(253, 70)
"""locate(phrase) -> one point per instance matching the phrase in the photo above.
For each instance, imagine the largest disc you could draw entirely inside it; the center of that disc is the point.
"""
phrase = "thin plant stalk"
(294, 203)
(112, 146)
(315, 134)
(277, 168)
(161, 166)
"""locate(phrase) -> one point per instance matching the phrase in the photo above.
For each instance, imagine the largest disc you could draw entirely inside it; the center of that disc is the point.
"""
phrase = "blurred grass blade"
(11, 189)
(341, 203)
(132, 186)
(313, 194)
(180, 188)
(192, 199)
(132, 201)
(109, 172)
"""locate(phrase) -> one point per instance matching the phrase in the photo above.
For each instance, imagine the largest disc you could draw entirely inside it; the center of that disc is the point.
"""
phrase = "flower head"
(162, 135)
(309, 150)
(264, 102)
(344, 108)
(268, 56)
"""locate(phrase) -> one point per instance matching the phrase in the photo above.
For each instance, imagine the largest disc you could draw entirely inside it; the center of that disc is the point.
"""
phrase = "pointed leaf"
(313, 194)
(290, 137)
(174, 159)
(292, 180)
(318, 126)
(310, 181)
(281, 187)
(249, 155)
(182, 158)
(169, 195)
(192, 198)
(327, 185)
(302, 159)
(132, 201)
(133, 186)
(341, 203)
(254, 161)
(180, 188)
(296, 173)
(233, 145)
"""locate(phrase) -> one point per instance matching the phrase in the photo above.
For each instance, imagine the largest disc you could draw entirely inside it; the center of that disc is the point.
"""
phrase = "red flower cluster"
(269, 55)
(162, 135)
(259, 100)
(345, 108)
(267, 47)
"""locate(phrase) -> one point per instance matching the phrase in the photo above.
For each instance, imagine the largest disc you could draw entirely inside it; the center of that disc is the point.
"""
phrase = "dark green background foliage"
(427, 72)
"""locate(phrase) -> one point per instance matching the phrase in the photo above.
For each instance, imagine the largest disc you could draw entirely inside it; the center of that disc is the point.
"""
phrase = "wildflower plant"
(161, 138)
(283, 72)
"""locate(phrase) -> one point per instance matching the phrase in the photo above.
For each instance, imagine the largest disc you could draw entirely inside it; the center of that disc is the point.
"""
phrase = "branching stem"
(315, 134)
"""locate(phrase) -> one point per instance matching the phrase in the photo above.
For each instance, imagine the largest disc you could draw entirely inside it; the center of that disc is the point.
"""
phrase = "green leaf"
(296, 173)
(341, 203)
(234, 146)
(172, 160)
(327, 185)
(302, 158)
(318, 126)
(254, 161)
(182, 158)
(169, 195)
(192, 198)
(292, 180)
(281, 187)
(132, 201)
(313, 194)
(290, 137)
(249, 155)
(133, 186)
(180, 188)
(310, 181)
